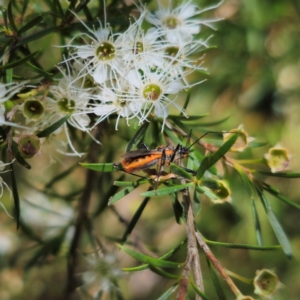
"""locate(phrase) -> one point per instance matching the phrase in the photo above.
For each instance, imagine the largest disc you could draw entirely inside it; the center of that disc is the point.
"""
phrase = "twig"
(79, 223)
(193, 260)
(217, 265)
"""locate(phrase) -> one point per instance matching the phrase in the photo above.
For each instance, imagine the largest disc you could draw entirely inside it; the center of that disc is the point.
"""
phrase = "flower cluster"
(135, 74)
(138, 73)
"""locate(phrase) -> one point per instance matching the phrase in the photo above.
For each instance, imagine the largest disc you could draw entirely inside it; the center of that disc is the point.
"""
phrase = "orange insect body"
(143, 159)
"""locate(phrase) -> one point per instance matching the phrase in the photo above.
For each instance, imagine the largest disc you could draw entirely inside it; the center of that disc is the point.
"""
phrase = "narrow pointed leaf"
(130, 183)
(168, 293)
(164, 273)
(101, 167)
(156, 262)
(276, 194)
(198, 292)
(181, 171)
(177, 207)
(186, 102)
(38, 19)
(59, 8)
(165, 256)
(39, 71)
(211, 159)
(216, 281)
(282, 175)
(118, 196)
(167, 191)
(208, 124)
(186, 119)
(37, 35)
(243, 246)
(15, 195)
(11, 17)
(281, 236)
(196, 202)
(135, 219)
(18, 62)
(46, 132)
(246, 182)
(258, 233)
(138, 137)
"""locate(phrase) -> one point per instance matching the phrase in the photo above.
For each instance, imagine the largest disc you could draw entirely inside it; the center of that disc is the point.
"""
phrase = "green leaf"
(246, 182)
(276, 194)
(135, 219)
(40, 71)
(211, 159)
(249, 190)
(196, 202)
(167, 191)
(130, 183)
(24, 8)
(258, 233)
(37, 35)
(187, 119)
(100, 167)
(243, 246)
(15, 195)
(177, 207)
(164, 273)
(282, 175)
(216, 281)
(11, 17)
(282, 238)
(186, 102)
(118, 196)
(181, 171)
(138, 137)
(155, 262)
(46, 132)
(165, 256)
(208, 124)
(38, 19)
(169, 292)
(18, 62)
(198, 292)
(59, 8)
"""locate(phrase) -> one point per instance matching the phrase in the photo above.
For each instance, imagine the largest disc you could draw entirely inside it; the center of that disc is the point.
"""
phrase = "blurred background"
(254, 80)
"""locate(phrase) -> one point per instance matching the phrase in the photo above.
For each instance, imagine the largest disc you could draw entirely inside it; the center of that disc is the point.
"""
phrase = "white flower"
(102, 55)
(178, 24)
(151, 89)
(142, 44)
(114, 100)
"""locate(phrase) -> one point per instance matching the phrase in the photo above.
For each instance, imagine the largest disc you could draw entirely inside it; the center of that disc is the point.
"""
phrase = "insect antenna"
(203, 135)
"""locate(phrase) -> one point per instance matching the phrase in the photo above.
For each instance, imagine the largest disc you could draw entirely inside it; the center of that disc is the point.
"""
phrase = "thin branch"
(217, 265)
(83, 206)
(193, 260)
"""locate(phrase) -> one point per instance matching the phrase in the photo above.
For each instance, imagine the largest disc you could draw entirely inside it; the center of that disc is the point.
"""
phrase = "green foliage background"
(254, 79)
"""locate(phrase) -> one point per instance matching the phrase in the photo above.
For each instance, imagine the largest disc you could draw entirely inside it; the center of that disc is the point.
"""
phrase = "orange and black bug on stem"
(162, 156)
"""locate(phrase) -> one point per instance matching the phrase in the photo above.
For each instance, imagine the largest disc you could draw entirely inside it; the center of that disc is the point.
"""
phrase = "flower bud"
(219, 188)
(33, 109)
(277, 159)
(28, 145)
(242, 141)
(266, 283)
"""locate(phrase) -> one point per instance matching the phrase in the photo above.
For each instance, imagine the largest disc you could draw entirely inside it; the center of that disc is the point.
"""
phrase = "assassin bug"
(144, 158)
